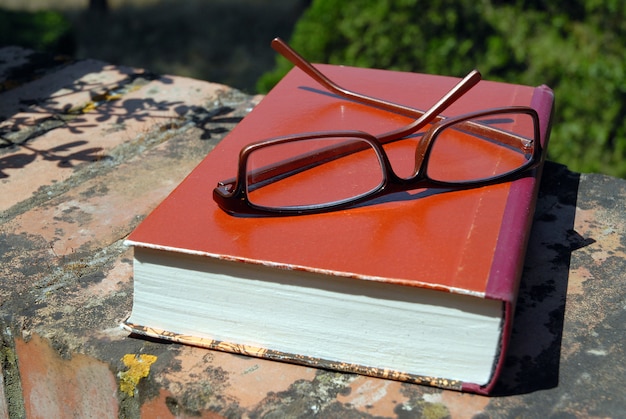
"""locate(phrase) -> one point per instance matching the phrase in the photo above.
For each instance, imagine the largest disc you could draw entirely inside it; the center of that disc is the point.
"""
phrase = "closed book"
(419, 286)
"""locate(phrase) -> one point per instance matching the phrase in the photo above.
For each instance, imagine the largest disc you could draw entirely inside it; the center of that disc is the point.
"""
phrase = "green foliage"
(41, 31)
(577, 47)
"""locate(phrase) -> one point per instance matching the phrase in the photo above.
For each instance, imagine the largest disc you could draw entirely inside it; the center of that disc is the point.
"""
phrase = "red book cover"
(469, 242)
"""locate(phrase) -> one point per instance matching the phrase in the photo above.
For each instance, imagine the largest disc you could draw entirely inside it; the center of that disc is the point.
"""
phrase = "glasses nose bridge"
(405, 155)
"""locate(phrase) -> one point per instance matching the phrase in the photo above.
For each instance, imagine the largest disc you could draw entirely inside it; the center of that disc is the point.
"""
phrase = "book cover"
(462, 247)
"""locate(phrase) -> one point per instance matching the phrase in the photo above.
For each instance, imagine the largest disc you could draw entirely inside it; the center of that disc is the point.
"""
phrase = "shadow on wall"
(31, 110)
(533, 361)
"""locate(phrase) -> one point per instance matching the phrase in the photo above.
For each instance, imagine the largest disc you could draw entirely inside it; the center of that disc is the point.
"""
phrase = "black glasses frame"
(231, 194)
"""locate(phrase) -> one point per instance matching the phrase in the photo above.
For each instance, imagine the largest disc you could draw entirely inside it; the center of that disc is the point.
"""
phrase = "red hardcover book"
(420, 289)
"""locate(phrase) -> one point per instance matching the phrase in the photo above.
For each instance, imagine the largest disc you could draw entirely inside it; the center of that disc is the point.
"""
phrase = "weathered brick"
(54, 387)
(83, 126)
(4, 407)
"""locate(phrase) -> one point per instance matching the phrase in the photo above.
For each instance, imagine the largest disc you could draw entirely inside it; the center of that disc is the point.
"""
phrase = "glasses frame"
(231, 194)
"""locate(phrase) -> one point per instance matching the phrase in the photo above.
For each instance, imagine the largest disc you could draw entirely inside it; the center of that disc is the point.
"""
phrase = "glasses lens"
(483, 148)
(310, 173)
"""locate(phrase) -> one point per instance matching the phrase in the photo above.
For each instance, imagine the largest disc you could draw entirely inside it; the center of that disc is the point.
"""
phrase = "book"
(420, 289)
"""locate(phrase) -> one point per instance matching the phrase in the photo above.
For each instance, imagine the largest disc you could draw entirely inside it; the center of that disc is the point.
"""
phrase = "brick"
(165, 407)
(54, 387)
(4, 407)
(248, 381)
(67, 88)
(374, 396)
(52, 154)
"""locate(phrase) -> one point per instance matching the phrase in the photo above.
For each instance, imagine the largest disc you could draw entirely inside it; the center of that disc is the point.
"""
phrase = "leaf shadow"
(38, 107)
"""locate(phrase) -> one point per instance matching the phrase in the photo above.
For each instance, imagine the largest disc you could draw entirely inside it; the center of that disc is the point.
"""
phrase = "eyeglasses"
(324, 171)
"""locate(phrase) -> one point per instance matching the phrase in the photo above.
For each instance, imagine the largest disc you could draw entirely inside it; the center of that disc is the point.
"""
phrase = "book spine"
(508, 263)
(518, 214)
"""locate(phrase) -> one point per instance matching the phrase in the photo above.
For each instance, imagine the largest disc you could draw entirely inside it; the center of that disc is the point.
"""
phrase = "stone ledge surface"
(87, 150)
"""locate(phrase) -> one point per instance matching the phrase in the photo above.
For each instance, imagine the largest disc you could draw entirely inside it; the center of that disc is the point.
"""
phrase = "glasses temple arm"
(448, 99)
(472, 127)
(296, 59)
(472, 78)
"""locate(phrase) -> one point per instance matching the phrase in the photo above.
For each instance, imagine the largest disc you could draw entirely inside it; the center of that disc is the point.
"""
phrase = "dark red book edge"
(508, 261)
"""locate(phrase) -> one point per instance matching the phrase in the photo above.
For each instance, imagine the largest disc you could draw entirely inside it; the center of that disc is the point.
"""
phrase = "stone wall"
(88, 149)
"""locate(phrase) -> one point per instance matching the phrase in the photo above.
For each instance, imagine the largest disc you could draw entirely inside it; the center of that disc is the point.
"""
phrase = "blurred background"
(225, 41)
(577, 47)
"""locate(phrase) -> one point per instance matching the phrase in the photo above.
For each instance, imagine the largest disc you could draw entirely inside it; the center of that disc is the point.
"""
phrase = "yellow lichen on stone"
(435, 411)
(88, 107)
(138, 368)
(113, 97)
